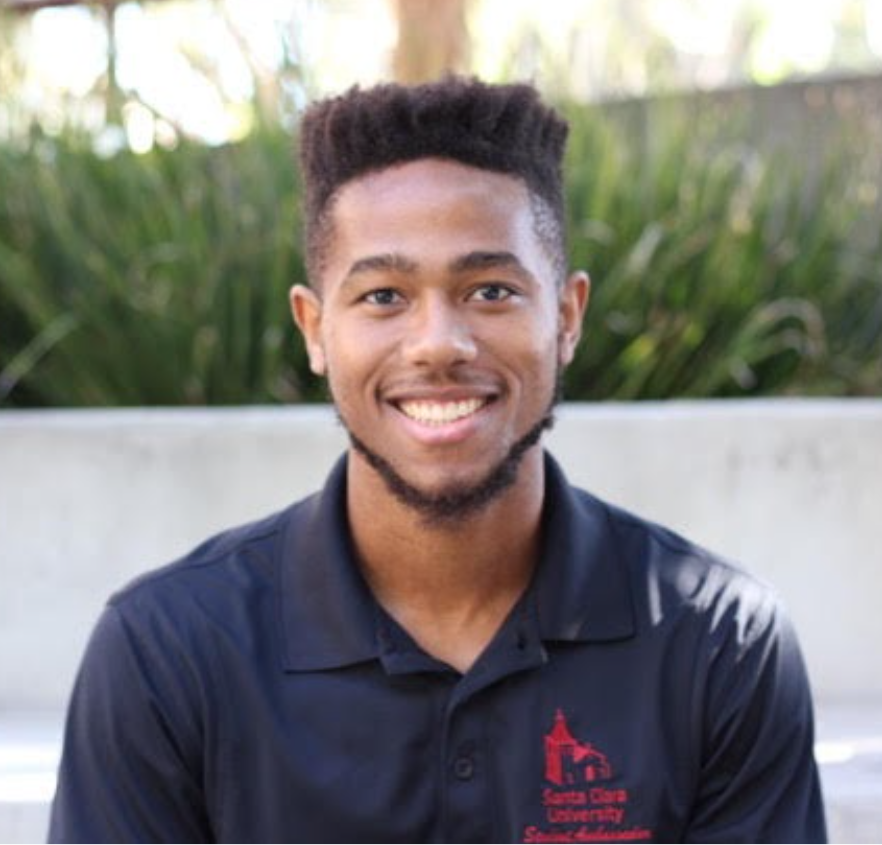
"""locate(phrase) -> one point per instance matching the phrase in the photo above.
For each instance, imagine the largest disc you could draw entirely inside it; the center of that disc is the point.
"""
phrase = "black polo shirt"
(641, 690)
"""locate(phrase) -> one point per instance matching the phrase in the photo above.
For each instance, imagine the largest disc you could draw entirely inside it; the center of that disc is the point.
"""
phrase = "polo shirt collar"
(330, 619)
(329, 615)
(581, 586)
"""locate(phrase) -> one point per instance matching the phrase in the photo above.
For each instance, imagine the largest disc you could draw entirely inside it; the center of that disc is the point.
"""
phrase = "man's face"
(439, 323)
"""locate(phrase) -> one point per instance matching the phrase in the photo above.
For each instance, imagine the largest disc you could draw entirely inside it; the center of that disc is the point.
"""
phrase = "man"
(448, 642)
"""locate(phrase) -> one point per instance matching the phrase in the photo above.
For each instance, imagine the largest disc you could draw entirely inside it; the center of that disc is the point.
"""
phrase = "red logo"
(585, 803)
(568, 761)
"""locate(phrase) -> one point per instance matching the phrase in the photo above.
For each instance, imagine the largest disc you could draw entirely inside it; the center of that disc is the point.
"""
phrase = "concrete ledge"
(30, 748)
(849, 750)
(88, 499)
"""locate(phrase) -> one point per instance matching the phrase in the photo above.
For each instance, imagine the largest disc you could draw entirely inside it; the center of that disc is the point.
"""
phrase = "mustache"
(439, 379)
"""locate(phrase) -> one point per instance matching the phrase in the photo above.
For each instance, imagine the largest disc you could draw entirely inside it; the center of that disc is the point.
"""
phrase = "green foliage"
(721, 271)
(163, 278)
(155, 279)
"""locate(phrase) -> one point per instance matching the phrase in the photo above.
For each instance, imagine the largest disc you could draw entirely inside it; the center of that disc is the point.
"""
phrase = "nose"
(438, 335)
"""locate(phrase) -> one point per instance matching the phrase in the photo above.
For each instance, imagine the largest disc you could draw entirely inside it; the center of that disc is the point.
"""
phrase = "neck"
(449, 584)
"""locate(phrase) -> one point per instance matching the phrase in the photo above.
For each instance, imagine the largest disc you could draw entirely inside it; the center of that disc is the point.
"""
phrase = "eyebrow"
(470, 262)
(482, 260)
(387, 262)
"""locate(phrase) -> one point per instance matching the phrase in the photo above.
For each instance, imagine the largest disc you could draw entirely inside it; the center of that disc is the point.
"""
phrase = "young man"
(448, 642)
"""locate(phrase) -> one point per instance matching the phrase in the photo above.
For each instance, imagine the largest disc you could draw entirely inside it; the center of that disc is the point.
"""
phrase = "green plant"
(162, 279)
(719, 272)
(156, 279)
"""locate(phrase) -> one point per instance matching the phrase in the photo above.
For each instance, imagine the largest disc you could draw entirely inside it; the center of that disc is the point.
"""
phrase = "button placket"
(468, 814)
(464, 761)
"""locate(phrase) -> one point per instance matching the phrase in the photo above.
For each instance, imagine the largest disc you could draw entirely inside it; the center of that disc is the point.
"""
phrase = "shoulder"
(234, 569)
(707, 619)
(676, 581)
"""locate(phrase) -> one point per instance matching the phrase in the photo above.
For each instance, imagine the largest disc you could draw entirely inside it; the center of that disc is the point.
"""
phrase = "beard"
(456, 504)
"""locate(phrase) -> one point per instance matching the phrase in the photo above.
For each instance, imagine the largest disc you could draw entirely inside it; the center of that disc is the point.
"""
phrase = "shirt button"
(464, 768)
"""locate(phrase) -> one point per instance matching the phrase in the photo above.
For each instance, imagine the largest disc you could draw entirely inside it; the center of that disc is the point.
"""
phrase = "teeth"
(441, 413)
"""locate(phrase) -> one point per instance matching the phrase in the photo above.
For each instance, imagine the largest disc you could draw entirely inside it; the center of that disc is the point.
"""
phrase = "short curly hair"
(503, 128)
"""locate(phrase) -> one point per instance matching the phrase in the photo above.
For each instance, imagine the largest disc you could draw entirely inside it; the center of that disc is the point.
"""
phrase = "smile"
(441, 413)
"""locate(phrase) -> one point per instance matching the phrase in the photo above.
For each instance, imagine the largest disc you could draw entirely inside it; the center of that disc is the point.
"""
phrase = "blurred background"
(723, 182)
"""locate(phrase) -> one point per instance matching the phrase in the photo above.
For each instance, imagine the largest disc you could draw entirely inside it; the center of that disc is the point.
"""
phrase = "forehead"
(431, 174)
(430, 206)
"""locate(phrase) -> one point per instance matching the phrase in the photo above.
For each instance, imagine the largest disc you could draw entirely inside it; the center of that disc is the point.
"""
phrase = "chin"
(453, 499)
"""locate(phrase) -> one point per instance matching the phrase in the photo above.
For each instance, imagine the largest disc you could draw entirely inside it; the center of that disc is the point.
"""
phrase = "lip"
(429, 393)
(436, 432)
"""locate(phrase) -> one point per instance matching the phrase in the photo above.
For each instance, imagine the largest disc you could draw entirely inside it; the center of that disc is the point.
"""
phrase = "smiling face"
(439, 325)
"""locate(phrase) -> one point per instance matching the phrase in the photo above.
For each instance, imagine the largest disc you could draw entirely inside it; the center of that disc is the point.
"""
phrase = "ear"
(306, 309)
(573, 302)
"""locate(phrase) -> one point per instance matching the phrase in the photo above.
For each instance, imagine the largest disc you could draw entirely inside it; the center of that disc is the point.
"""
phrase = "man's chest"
(578, 750)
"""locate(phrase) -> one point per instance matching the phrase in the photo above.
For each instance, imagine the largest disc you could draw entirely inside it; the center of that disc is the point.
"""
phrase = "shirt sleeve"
(129, 769)
(759, 780)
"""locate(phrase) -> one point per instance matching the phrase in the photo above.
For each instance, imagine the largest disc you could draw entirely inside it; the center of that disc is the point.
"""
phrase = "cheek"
(537, 338)
(353, 356)
(531, 356)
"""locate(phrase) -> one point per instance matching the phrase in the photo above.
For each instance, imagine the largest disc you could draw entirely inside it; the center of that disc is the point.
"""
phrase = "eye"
(383, 297)
(492, 292)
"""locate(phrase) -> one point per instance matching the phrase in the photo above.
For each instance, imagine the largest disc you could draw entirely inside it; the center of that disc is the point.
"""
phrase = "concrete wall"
(90, 498)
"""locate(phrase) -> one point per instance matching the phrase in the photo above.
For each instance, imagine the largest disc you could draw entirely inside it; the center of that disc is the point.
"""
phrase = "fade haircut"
(502, 128)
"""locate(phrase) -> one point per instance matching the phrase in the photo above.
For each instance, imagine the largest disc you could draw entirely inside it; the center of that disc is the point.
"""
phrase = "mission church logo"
(568, 761)
(581, 804)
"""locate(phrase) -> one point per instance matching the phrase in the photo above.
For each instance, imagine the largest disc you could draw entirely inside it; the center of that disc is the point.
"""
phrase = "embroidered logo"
(568, 761)
(582, 805)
